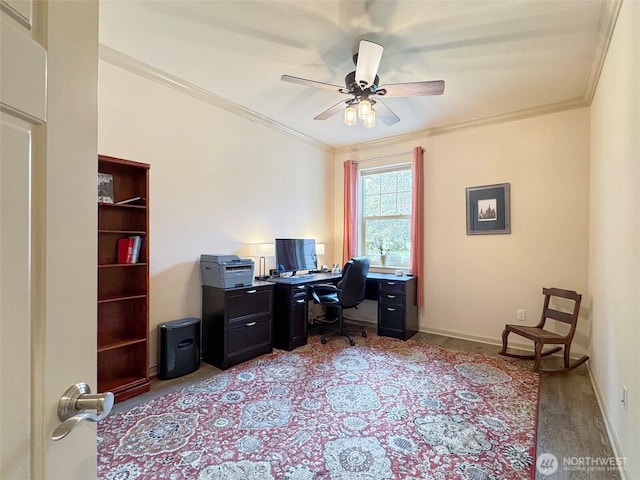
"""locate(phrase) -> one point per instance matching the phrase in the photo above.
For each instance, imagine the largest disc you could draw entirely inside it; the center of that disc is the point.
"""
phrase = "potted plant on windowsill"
(379, 246)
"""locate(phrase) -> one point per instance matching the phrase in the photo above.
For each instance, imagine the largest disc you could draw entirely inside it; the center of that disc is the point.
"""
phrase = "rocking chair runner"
(541, 337)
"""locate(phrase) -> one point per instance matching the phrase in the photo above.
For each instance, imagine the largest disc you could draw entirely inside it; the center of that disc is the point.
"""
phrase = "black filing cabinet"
(397, 309)
(236, 323)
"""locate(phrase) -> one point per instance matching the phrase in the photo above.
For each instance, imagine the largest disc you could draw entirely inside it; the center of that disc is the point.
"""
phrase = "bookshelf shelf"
(125, 206)
(123, 303)
(120, 265)
(119, 344)
(120, 298)
(133, 385)
(123, 232)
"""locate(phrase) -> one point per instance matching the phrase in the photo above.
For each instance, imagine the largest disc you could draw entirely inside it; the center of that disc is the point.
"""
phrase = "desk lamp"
(262, 250)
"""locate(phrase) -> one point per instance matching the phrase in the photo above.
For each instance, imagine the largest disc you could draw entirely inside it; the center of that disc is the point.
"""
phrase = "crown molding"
(608, 18)
(149, 72)
(23, 18)
(606, 26)
(578, 102)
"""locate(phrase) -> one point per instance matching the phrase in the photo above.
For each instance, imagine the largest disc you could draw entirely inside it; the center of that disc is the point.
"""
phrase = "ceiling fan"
(362, 86)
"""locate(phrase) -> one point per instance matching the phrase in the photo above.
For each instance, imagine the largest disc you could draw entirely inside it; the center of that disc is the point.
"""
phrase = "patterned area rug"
(384, 409)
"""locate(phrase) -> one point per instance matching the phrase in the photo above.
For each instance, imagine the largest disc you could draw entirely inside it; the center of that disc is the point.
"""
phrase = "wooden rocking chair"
(541, 337)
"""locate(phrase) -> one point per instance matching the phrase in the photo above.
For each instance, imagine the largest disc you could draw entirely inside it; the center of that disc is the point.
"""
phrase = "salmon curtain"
(417, 223)
(350, 235)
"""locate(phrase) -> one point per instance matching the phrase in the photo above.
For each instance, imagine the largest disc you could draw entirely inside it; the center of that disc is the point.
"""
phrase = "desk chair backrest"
(351, 289)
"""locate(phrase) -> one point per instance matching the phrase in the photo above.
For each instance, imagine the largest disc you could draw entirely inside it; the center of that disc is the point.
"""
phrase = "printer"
(226, 271)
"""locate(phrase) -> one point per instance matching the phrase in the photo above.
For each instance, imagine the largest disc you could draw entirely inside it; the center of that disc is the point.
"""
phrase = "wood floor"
(570, 424)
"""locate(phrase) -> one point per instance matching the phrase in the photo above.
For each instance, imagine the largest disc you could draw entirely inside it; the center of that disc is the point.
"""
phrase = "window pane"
(395, 235)
(387, 182)
(404, 181)
(371, 184)
(388, 204)
(404, 203)
(372, 205)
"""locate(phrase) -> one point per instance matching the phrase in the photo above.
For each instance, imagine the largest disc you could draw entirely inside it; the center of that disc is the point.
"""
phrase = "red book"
(125, 247)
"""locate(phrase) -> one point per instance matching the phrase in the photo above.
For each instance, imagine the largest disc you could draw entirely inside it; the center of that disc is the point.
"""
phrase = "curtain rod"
(391, 155)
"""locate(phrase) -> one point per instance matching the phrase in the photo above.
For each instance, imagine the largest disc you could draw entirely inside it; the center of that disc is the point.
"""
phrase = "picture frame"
(488, 209)
(105, 188)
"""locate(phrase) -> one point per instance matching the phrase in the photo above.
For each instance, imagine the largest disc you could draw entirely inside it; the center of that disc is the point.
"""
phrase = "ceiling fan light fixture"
(370, 120)
(364, 108)
(364, 90)
(350, 115)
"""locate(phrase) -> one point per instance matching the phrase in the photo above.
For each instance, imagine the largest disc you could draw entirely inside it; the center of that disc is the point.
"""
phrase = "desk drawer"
(391, 300)
(391, 318)
(299, 297)
(391, 287)
(295, 289)
(247, 302)
(249, 336)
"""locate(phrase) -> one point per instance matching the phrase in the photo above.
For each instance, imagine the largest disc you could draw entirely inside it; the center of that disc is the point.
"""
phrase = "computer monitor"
(293, 254)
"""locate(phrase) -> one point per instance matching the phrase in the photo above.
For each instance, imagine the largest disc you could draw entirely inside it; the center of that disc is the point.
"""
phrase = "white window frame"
(362, 173)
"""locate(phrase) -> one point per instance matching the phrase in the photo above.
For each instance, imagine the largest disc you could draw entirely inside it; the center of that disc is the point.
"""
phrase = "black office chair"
(348, 293)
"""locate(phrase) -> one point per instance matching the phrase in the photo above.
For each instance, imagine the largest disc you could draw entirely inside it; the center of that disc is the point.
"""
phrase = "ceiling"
(499, 59)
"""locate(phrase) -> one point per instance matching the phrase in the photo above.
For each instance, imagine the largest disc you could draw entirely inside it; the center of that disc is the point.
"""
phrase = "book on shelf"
(125, 250)
(129, 249)
(129, 200)
(135, 252)
(105, 188)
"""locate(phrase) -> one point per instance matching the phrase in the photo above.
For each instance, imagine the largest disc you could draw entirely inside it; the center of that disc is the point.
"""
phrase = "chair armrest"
(322, 289)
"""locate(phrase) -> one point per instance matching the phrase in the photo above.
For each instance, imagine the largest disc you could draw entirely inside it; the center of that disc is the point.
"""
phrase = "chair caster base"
(323, 341)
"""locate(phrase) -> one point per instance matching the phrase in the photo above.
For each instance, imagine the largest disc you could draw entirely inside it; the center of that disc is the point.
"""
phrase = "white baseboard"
(618, 451)
(527, 347)
(473, 338)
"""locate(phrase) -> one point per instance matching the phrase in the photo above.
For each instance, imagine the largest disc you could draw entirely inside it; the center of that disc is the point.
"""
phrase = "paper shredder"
(179, 351)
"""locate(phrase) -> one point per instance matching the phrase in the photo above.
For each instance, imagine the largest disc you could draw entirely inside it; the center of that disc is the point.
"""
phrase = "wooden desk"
(396, 297)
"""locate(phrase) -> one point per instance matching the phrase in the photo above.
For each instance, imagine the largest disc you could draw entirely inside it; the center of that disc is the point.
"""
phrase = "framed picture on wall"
(488, 210)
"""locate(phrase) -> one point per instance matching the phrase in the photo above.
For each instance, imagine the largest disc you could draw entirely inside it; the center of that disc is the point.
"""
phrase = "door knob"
(78, 404)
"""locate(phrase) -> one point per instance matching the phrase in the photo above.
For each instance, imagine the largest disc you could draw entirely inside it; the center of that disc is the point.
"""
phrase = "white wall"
(217, 183)
(614, 253)
(475, 284)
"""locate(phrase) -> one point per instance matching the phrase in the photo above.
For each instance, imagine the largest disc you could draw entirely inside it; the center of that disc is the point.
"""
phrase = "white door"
(48, 164)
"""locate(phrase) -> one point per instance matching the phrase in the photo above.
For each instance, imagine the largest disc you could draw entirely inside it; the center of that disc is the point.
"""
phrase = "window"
(385, 214)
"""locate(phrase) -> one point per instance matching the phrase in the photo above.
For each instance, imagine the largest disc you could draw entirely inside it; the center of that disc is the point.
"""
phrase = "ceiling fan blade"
(412, 89)
(313, 83)
(384, 113)
(330, 112)
(369, 55)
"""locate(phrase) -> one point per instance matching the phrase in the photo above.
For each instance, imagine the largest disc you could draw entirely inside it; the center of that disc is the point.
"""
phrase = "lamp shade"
(350, 116)
(262, 250)
(364, 109)
(370, 120)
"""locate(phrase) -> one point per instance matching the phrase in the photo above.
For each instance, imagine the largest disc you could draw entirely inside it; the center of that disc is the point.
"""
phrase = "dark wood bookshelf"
(123, 288)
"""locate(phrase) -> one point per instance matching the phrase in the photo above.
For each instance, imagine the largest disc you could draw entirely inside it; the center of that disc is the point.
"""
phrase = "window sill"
(387, 269)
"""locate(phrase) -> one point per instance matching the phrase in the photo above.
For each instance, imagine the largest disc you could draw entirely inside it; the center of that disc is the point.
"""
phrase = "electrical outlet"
(624, 396)
(521, 314)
